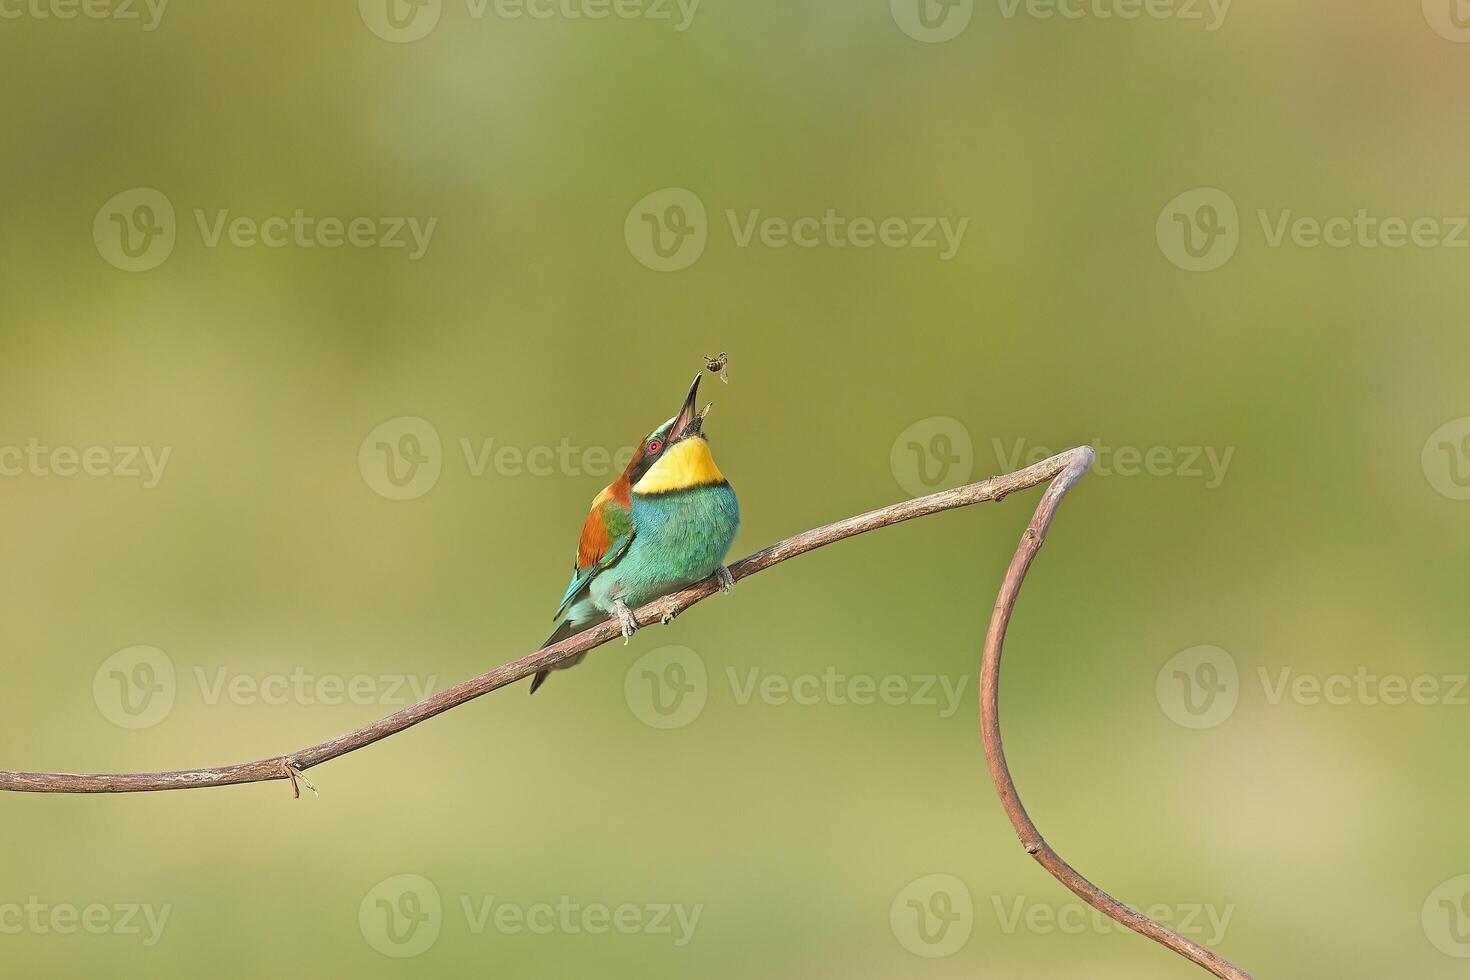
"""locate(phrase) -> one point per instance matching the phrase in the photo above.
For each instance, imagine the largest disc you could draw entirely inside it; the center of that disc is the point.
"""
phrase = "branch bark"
(1063, 471)
(280, 766)
(995, 757)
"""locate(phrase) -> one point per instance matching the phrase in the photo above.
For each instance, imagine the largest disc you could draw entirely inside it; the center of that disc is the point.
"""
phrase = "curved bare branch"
(995, 757)
(1063, 471)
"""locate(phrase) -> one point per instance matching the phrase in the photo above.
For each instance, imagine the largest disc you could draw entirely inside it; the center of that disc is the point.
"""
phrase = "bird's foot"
(727, 581)
(625, 619)
(666, 611)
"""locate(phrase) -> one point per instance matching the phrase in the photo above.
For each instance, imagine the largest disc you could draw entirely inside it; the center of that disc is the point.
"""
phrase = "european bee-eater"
(665, 523)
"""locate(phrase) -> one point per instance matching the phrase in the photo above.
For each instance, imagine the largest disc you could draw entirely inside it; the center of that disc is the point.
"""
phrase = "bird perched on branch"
(665, 523)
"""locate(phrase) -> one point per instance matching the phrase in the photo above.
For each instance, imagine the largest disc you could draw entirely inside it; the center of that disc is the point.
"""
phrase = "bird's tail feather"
(563, 631)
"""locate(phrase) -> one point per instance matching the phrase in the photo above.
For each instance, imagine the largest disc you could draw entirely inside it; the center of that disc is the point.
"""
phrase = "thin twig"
(995, 757)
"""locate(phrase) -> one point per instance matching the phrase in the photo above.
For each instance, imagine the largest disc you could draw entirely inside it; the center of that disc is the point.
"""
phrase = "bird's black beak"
(689, 421)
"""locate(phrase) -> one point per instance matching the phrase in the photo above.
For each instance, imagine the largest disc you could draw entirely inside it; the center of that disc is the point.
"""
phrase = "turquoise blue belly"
(679, 538)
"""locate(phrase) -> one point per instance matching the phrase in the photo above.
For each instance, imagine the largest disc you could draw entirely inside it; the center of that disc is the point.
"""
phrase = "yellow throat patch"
(683, 465)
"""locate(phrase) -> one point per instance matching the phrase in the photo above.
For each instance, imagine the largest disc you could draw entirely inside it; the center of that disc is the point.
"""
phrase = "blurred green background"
(825, 839)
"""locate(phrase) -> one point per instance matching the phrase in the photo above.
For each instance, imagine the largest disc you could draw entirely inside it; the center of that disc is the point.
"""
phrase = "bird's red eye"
(654, 446)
